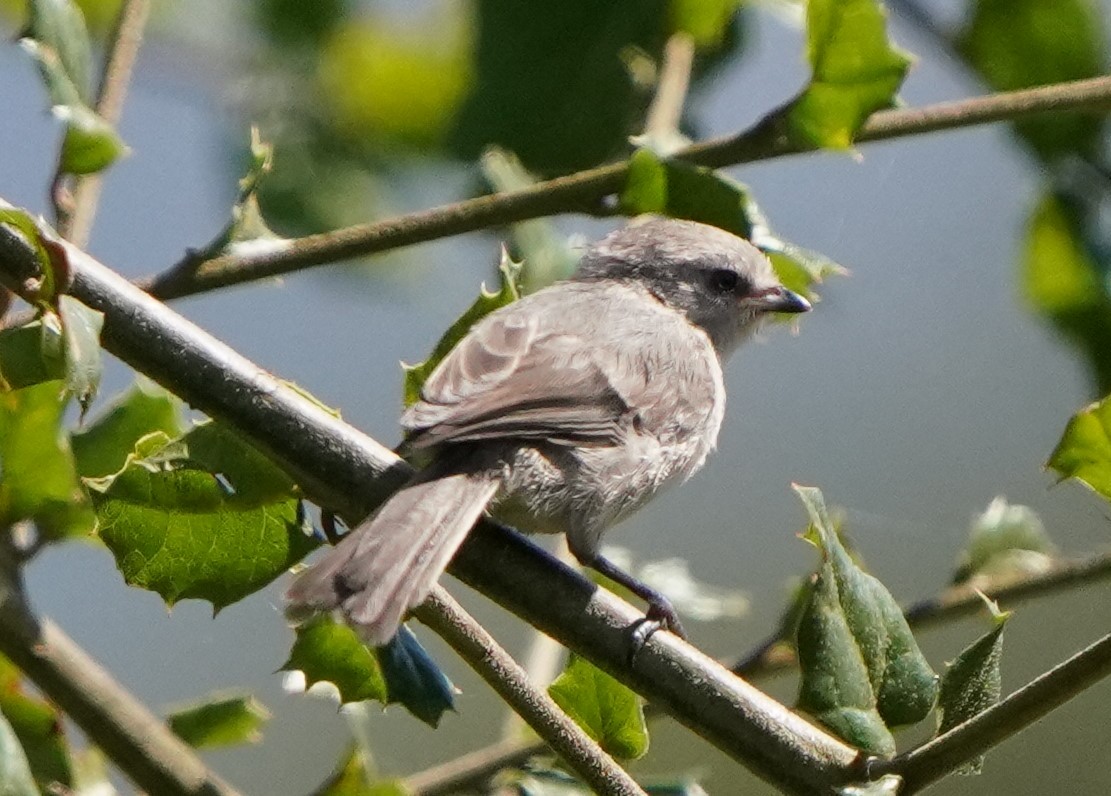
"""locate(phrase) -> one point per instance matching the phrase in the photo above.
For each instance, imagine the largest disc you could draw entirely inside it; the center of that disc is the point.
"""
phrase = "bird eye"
(724, 280)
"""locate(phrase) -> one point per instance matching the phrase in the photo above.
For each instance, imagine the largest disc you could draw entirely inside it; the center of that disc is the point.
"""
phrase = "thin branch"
(666, 111)
(944, 754)
(773, 656)
(479, 649)
(136, 740)
(119, 63)
(585, 191)
(341, 468)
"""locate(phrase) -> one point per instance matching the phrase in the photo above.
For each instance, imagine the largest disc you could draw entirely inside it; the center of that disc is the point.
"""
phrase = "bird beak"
(778, 299)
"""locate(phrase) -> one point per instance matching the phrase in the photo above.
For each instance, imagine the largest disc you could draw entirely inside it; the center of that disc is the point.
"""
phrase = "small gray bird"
(562, 412)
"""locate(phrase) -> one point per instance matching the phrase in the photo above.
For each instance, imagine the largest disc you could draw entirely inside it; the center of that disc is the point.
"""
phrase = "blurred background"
(938, 375)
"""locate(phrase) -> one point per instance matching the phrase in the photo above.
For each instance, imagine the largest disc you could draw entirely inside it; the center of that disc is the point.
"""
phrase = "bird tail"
(389, 563)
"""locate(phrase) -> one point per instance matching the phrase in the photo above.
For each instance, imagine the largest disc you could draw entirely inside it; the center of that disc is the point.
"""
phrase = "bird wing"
(522, 374)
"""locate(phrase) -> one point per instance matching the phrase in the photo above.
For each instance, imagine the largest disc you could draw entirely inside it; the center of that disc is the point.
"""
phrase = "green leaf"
(862, 671)
(1084, 452)
(224, 720)
(608, 711)
(1021, 43)
(1005, 541)
(706, 21)
(90, 143)
(972, 683)
(508, 292)
(38, 480)
(547, 256)
(1065, 282)
(38, 727)
(25, 358)
(60, 25)
(855, 72)
(354, 777)
(52, 275)
(15, 772)
(413, 678)
(327, 651)
(205, 517)
(680, 190)
(102, 447)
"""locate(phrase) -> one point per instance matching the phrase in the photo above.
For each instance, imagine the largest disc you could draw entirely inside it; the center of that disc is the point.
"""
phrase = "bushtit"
(562, 412)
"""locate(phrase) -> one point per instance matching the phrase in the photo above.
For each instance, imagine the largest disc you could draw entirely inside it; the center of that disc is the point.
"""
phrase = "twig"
(944, 754)
(133, 738)
(339, 467)
(118, 66)
(772, 657)
(585, 191)
(479, 649)
(666, 111)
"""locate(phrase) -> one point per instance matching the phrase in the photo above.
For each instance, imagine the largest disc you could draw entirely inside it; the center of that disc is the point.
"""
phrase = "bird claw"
(661, 615)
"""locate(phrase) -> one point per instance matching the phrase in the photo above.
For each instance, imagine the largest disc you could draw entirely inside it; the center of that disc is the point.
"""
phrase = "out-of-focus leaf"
(90, 143)
(1005, 540)
(551, 83)
(680, 190)
(861, 669)
(508, 292)
(38, 480)
(608, 711)
(1084, 452)
(354, 777)
(15, 772)
(102, 447)
(1064, 281)
(205, 517)
(327, 651)
(705, 20)
(1021, 43)
(24, 358)
(545, 254)
(401, 85)
(81, 332)
(37, 725)
(224, 720)
(60, 25)
(297, 23)
(972, 682)
(856, 71)
(413, 678)
(90, 773)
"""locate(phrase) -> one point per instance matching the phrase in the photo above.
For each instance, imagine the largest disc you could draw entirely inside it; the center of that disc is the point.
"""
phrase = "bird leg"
(661, 613)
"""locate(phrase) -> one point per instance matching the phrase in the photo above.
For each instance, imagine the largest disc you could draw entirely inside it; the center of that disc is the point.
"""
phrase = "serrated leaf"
(81, 327)
(1084, 452)
(1063, 279)
(855, 72)
(861, 668)
(508, 292)
(1016, 44)
(327, 651)
(60, 25)
(38, 727)
(15, 772)
(546, 256)
(101, 448)
(224, 720)
(972, 683)
(680, 190)
(205, 516)
(42, 286)
(1005, 540)
(413, 678)
(354, 777)
(608, 711)
(90, 143)
(38, 479)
